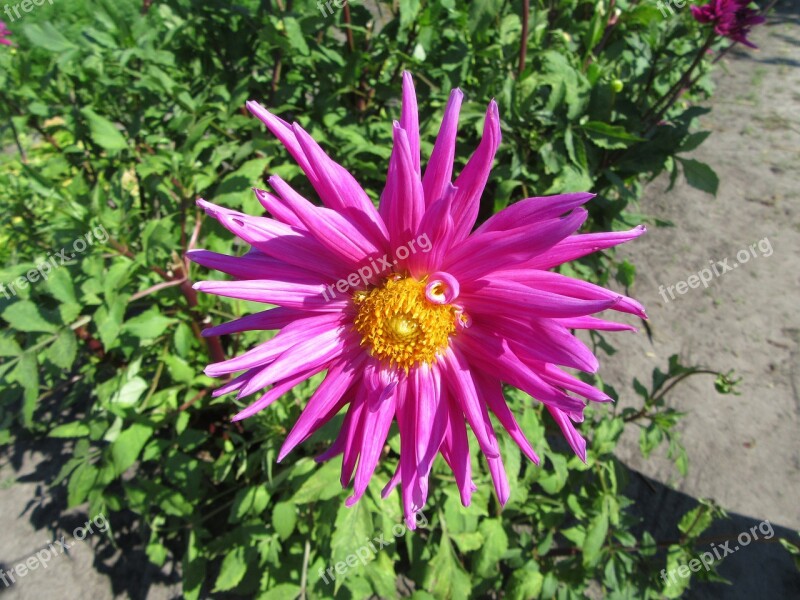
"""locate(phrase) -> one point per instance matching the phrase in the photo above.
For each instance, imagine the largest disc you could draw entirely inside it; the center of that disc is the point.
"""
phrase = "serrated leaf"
(25, 316)
(493, 548)
(148, 325)
(63, 350)
(444, 577)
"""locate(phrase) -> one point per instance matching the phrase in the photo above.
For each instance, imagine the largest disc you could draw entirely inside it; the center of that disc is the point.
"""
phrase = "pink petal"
(575, 440)
(472, 180)
(518, 300)
(567, 286)
(273, 318)
(329, 228)
(402, 204)
(278, 390)
(409, 119)
(495, 356)
(439, 171)
(532, 210)
(281, 293)
(253, 266)
(594, 323)
(437, 228)
(455, 369)
(293, 334)
(492, 393)
(577, 246)
(488, 252)
(318, 410)
(311, 354)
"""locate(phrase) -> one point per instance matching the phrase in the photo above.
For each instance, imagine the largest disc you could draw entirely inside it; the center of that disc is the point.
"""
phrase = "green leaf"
(232, 571)
(62, 352)
(609, 136)
(352, 528)
(26, 373)
(70, 430)
(284, 518)
(494, 547)
(127, 447)
(282, 591)
(109, 322)
(595, 537)
(130, 392)
(295, 35)
(444, 577)
(103, 132)
(249, 501)
(693, 141)
(194, 569)
(699, 175)
(25, 316)
(48, 37)
(322, 485)
(148, 325)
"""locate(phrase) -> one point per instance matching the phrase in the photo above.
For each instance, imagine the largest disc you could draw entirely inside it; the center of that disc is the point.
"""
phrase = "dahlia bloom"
(415, 317)
(5, 32)
(731, 18)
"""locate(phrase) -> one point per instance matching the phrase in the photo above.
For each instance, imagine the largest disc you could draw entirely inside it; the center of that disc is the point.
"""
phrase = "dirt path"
(744, 451)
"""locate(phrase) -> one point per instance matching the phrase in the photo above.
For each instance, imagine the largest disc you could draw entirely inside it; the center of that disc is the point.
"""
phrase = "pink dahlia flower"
(415, 317)
(731, 18)
(5, 32)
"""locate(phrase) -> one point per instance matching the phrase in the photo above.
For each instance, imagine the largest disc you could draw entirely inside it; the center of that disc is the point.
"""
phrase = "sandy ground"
(743, 450)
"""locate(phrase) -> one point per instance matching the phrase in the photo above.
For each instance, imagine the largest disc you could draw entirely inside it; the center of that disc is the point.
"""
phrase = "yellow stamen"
(400, 325)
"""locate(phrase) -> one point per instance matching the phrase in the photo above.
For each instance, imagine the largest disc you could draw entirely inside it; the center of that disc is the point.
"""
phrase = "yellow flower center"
(399, 324)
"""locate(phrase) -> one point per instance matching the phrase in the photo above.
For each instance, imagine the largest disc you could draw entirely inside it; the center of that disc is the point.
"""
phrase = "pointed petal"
(455, 369)
(317, 412)
(472, 180)
(492, 393)
(575, 440)
(439, 172)
(409, 119)
(485, 253)
(531, 210)
(577, 246)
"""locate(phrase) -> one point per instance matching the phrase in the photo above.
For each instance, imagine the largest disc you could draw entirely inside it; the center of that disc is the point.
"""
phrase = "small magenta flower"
(5, 32)
(416, 318)
(731, 18)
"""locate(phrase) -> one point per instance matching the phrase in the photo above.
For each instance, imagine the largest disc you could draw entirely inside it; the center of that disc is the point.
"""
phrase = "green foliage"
(119, 117)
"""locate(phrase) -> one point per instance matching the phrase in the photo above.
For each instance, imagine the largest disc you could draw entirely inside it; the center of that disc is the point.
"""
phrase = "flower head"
(731, 18)
(5, 32)
(416, 318)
